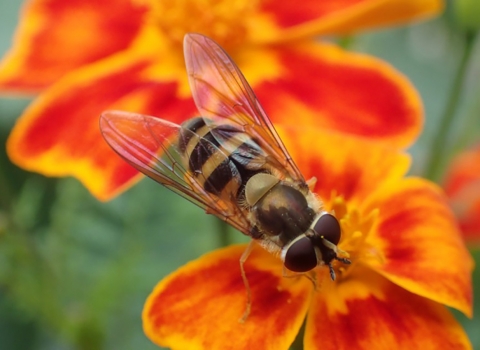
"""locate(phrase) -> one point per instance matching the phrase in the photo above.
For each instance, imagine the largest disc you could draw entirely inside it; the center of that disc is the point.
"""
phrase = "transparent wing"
(222, 93)
(149, 144)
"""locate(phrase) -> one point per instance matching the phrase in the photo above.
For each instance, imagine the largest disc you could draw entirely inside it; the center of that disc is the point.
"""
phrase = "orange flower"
(463, 189)
(408, 263)
(85, 57)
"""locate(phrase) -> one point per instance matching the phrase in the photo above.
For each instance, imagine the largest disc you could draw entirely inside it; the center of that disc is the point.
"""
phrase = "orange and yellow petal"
(199, 305)
(57, 36)
(323, 86)
(462, 186)
(347, 166)
(417, 243)
(366, 311)
(312, 17)
(50, 43)
(58, 135)
(47, 139)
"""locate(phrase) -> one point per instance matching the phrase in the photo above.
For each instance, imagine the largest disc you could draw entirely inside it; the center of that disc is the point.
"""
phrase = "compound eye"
(300, 255)
(327, 226)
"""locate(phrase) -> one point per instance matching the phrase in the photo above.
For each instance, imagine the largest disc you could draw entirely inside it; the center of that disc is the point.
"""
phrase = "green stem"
(439, 147)
(469, 134)
(298, 342)
(346, 41)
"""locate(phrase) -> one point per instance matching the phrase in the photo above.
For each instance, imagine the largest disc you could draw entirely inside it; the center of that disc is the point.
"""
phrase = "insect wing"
(222, 93)
(150, 145)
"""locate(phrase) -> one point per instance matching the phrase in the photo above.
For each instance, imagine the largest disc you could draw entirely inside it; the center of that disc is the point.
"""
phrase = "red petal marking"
(367, 312)
(462, 185)
(419, 245)
(199, 306)
(324, 86)
(351, 167)
(310, 18)
(59, 134)
(56, 36)
(464, 169)
(469, 220)
(288, 14)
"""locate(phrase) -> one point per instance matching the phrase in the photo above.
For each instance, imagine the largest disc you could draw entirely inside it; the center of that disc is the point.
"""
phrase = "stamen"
(354, 245)
(225, 22)
(339, 207)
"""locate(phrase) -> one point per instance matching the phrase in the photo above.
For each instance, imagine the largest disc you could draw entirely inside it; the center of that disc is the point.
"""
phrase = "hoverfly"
(230, 162)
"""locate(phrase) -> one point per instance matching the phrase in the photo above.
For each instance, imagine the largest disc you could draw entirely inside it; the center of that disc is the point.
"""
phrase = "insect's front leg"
(244, 258)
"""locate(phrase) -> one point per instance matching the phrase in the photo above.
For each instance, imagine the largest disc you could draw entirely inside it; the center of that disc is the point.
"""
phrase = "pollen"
(224, 21)
(356, 227)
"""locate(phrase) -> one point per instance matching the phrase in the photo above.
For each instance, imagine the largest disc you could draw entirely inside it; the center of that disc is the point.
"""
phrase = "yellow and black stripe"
(221, 157)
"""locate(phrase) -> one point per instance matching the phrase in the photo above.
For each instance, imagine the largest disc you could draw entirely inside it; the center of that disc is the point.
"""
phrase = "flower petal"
(419, 245)
(56, 36)
(48, 134)
(312, 17)
(199, 305)
(462, 186)
(349, 166)
(366, 311)
(58, 135)
(416, 235)
(321, 85)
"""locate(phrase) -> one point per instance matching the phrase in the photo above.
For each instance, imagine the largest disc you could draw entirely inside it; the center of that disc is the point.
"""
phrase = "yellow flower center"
(224, 21)
(356, 227)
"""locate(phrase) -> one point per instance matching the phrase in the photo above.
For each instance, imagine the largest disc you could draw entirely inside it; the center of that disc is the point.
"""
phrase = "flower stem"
(298, 342)
(346, 41)
(469, 133)
(439, 148)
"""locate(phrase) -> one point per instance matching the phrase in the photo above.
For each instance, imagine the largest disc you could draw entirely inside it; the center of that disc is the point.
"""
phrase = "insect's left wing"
(149, 144)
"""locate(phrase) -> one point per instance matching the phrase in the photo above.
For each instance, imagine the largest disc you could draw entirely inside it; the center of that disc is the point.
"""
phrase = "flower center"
(224, 21)
(356, 227)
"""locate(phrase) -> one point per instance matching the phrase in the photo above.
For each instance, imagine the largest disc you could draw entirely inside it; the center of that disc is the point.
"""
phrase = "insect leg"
(332, 272)
(312, 276)
(244, 258)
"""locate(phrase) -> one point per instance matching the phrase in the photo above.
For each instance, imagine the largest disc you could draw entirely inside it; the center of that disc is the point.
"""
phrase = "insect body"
(231, 162)
(222, 157)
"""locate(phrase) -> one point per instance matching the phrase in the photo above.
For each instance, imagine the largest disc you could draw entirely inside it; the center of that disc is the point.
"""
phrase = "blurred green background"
(74, 272)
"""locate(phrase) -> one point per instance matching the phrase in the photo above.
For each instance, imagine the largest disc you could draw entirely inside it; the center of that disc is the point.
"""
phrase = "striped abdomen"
(221, 157)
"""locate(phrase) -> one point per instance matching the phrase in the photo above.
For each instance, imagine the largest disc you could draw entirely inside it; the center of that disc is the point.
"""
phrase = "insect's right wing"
(149, 145)
(222, 93)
